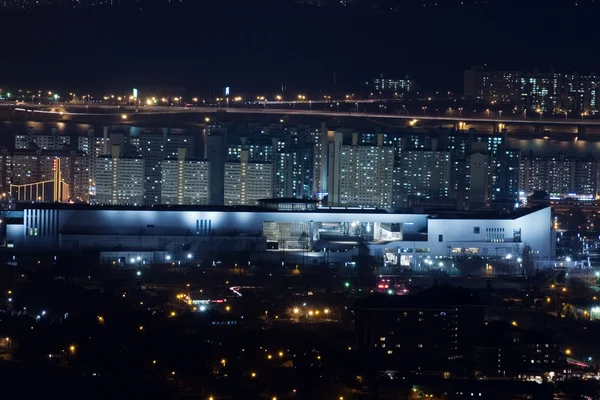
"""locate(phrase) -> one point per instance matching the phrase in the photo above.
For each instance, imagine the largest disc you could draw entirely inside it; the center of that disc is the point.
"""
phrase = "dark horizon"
(257, 47)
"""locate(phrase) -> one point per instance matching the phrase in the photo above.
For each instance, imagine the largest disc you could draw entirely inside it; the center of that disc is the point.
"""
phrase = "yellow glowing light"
(253, 374)
(124, 116)
(568, 352)
(296, 310)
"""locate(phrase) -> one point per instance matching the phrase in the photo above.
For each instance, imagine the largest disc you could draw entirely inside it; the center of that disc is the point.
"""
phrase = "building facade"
(119, 180)
(403, 240)
(184, 181)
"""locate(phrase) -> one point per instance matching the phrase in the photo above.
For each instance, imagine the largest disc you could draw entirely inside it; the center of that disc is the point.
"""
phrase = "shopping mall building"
(301, 228)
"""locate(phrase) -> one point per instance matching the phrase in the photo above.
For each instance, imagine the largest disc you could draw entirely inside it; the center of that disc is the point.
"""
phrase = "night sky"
(256, 45)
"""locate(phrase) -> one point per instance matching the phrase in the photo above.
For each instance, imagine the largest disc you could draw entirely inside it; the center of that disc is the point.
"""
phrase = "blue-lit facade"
(186, 233)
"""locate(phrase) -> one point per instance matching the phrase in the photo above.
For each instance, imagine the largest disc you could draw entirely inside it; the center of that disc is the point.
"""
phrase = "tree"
(527, 260)
(579, 289)
(469, 265)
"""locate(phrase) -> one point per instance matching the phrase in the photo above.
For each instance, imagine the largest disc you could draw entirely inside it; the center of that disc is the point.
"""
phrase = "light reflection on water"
(542, 147)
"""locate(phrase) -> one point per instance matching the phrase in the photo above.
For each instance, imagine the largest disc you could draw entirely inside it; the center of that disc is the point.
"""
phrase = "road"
(107, 110)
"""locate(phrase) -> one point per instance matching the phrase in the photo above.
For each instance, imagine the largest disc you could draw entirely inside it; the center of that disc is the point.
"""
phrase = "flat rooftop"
(432, 214)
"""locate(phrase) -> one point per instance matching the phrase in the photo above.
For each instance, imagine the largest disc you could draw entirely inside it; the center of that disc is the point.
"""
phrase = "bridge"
(124, 112)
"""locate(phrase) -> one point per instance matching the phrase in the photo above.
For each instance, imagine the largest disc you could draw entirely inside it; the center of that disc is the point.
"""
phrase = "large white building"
(316, 233)
(119, 180)
(184, 181)
(247, 182)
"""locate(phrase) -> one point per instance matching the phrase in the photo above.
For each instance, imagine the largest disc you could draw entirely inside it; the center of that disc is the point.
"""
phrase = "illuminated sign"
(135, 93)
(227, 91)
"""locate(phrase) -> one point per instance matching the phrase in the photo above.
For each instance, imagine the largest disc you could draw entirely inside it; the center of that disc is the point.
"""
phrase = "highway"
(125, 111)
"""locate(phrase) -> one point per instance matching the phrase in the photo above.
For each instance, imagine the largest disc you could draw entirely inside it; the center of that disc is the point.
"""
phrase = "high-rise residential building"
(260, 149)
(479, 195)
(360, 175)
(79, 177)
(151, 147)
(33, 141)
(294, 173)
(560, 175)
(393, 86)
(184, 180)
(85, 144)
(5, 166)
(494, 147)
(508, 183)
(246, 182)
(176, 140)
(282, 176)
(584, 181)
(535, 91)
(534, 174)
(540, 92)
(32, 167)
(422, 173)
(321, 160)
(493, 86)
(25, 167)
(580, 93)
(216, 153)
(119, 179)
